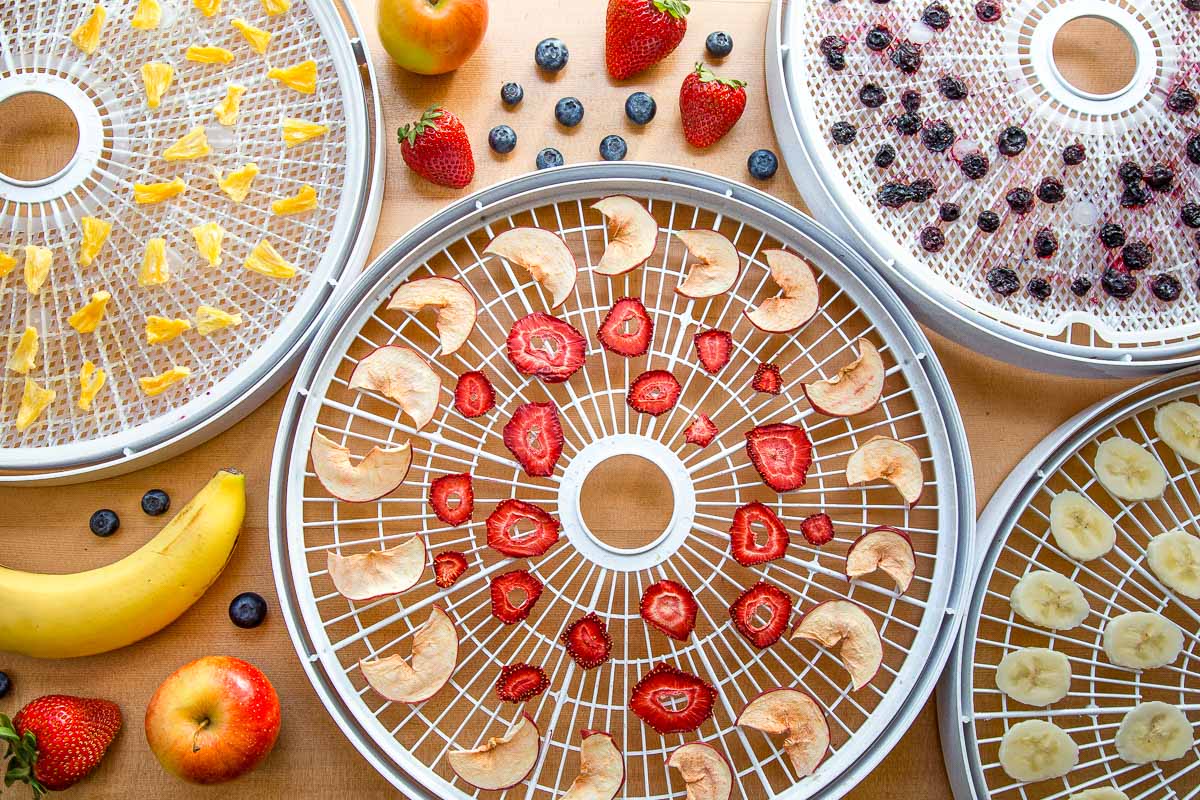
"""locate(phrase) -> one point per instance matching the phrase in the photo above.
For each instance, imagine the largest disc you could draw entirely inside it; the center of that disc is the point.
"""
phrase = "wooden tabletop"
(47, 529)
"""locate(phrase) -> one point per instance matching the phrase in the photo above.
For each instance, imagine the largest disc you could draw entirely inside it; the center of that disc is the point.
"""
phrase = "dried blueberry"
(921, 190)
(1191, 5)
(931, 238)
(1012, 140)
(843, 132)
(1039, 289)
(1190, 215)
(906, 57)
(832, 44)
(908, 123)
(1160, 177)
(938, 137)
(1045, 243)
(1129, 172)
(893, 195)
(952, 87)
(1020, 200)
(1137, 255)
(910, 100)
(988, 222)
(1112, 235)
(1182, 100)
(836, 61)
(885, 156)
(1165, 287)
(1134, 196)
(1193, 149)
(987, 10)
(936, 16)
(1003, 281)
(872, 95)
(1050, 190)
(948, 212)
(1118, 283)
(1073, 154)
(878, 38)
(974, 165)
(1080, 286)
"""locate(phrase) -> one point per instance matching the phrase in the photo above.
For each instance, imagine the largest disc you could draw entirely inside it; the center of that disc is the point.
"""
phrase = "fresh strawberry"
(656, 699)
(781, 453)
(713, 348)
(452, 498)
(56, 740)
(587, 641)
(517, 584)
(749, 522)
(671, 607)
(817, 529)
(748, 612)
(520, 682)
(448, 567)
(505, 532)
(546, 347)
(710, 106)
(436, 147)
(535, 437)
(641, 33)
(473, 394)
(653, 392)
(702, 431)
(767, 379)
(627, 328)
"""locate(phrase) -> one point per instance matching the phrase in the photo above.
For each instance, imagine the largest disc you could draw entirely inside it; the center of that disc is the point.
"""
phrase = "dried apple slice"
(632, 234)
(717, 264)
(500, 762)
(402, 375)
(452, 302)
(842, 625)
(799, 301)
(601, 768)
(379, 473)
(798, 717)
(379, 573)
(544, 255)
(855, 388)
(704, 770)
(894, 461)
(885, 549)
(434, 657)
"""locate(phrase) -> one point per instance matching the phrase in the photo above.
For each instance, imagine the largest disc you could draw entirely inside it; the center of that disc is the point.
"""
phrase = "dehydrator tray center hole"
(626, 502)
(1095, 56)
(40, 134)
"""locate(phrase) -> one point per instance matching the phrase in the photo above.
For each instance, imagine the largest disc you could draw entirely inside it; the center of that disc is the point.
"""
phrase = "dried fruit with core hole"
(627, 328)
(671, 700)
(434, 658)
(704, 770)
(520, 682)
(701, 431)
(473, 394)
(632, 234)
(378, 573)
(713, 348)
(601, 768)
(817, 529)
(761, 614)
(891, 460)
(546, 347)
(716, 267)
(800, 299)
(500, 762)
(448, 567)
(514, 595)
(452, 498)
(756, 535)
(885, 549)
(587, 641)
(544, 255)
(521, 530)
(402, 375)
(534, 436)
(452, 302)
(653, 392)
(379, 473)
(855, 389)
(670, 607)
(844, 625)
(781, 453)
(797, 717)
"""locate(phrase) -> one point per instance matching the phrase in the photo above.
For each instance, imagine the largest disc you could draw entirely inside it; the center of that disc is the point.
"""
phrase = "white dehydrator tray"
(1011, 77)
(1013, 538)
(121, 141)
(408, 744)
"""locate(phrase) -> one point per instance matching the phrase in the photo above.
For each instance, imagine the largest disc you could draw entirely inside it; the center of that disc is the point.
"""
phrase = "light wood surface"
(1006, 410)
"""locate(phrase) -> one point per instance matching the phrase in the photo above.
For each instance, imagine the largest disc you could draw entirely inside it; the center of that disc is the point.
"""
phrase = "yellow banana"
(62, 616)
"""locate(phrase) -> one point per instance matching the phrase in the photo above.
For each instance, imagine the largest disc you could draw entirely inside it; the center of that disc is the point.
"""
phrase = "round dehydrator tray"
(408, 744)
(1010, 77)
(1014, 539)
(121, 142)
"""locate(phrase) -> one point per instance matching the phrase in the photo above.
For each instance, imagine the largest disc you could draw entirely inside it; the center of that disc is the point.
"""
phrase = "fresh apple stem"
(204, 723)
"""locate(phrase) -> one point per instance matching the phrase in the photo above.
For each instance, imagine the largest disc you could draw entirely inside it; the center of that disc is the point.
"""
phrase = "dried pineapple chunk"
(209, 238)
(88, 317)
(155, 270)
(276, 7)
(297, 131)
(87, 36)
(156, 77)
(209, 8)
(208, 54)
(210, 320)
(7, 262)
(193, 144)
(157, 384)
(37, 267)
(163, 329)
(147, 16)
(226, 111)
(302, 77)
(157, 192)
(33, 402)
(236, 184)
(23, 357)
(301, 201)
(94, 233)
(91, 381)
(259, 39)
(265, 260)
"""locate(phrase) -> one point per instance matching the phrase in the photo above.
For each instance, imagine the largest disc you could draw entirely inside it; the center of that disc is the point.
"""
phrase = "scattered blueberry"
(155, 502)
(5, 684)
(1080, 286)
(906, 57)
(879, 38)
(1020, 200)
(1045, 243)
(1039, 289)
(1193, 149)
(936, 16)
(1003, 281)
(105, 522)
(1134, 195)
(932, 239)
(1050, 190)
(511, 94)
(987, 10)
(872, 95)
(613, 148)
(1137, 255)
(988, 222)
(1189, 214)
(1012, 140)
(762, 164)
(1160, 177)
(719, 44)
(1165, 287)
(1182, 100)
(910, 100)
(974, 165)
(949, 212)
(1112, 235)
(568, 111)
(502, 139)
(640, 108)
(1118, 283)
(952, 87)
(842, 132)
(885, 156)
(1129, 172)
(549, 158)
(938, 137)
(1073, 154)
(248, 610)
(551, 54)
(908, 123)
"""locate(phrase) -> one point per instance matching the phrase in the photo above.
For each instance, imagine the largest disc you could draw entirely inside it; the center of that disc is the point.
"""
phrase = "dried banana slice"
(1142, 640)
(259, 39)
(236, 184)
(1178, 425)
(1080, 527)
(1128, 470)
(155, 271)
(1174, 557)
(147, 16)
(157, 192)
(155, 385)
(303, 200)
(265, 260)
(25, 354)
(1036, 750)
(156, 77)
(1153, 731)
(276, 7)
(87, 36)
(210, 319)
(226, 111)
(209, 238)
(93, 234)
(37, 267)
(208, 54)
(34, 400)
(163, 329)
(88, 317)
(209, 8)
(91, 381)
(7, 262)
(1035, 676)
(1099, 793)
(1050, 600)
(302, 77)
(298, 131)
(193, 144)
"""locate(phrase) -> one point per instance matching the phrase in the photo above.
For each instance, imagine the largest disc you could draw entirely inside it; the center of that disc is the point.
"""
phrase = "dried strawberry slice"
(627, 328)
(473, 394)
(520, 584)
(587, 641)
(671, 607)
(535, 437)
(546, 347)
(654, 392)
(520, 682)
(670, 700)
(452, 498)
(767, 379)
(713, 348)
(817, 529)
(747, 613)
(781, 453)
(508, 529)
(749, 522)
(448, 567)
(702, 431)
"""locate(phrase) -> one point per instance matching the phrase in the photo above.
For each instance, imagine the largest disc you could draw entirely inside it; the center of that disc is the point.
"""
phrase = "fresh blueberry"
(549, 158)
(502, 139)
(155, 502)
(5, 684)
(640, 108)
(613, 148)
(719, 44)
(568, 111)
(104, 523)
(762, 164)
(551, 54)
(511, 94)
(248, 610)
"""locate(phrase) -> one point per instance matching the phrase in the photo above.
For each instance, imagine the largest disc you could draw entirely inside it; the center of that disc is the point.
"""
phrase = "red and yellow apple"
(431, 37)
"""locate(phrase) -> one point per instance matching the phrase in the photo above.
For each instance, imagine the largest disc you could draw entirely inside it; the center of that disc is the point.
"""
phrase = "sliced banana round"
(1174, 557)
(1142, 640)
(1035, 676)
(1153, 731)
(1036, 750)
(1080, 528)
(1178, 425)
(1050, 600)
(1100, 793)
(1128, 470)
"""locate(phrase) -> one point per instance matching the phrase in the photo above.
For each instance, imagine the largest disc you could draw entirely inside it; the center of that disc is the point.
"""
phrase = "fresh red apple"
(431, 37)
(213, 720)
